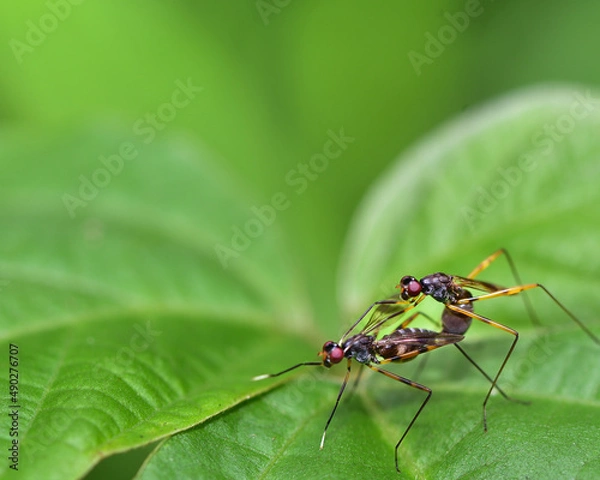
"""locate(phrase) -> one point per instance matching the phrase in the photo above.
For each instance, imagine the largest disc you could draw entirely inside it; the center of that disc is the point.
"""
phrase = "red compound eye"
(336, 355)
(413, 288)
(332, 353)
(410, 287)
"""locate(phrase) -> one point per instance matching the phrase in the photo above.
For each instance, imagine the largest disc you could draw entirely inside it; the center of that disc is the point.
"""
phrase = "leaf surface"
(128, 324)
(429, 213)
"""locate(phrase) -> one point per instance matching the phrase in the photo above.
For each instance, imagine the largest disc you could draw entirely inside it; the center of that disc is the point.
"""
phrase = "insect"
(454, 293)
(372, 350)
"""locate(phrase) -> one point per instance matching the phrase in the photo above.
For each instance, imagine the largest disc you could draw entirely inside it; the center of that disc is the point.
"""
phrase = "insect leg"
(474, 363)
(486, 263)
(504, 328)
(345, 382)
(410, 383)
(461, 350)
(410, 319)
(521, 288)
(355, 383)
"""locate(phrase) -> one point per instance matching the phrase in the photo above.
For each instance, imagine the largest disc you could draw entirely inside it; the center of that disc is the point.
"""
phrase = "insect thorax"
(360, 348)
(441, 287)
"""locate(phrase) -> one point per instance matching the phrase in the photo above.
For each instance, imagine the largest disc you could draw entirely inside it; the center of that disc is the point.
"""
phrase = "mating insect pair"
(371, 346)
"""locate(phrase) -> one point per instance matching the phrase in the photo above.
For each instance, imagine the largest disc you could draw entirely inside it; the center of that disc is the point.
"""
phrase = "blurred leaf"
(518, 173)
(421, 215)
(271, 91)
(129, 326)
(77, 69)
(147, 233)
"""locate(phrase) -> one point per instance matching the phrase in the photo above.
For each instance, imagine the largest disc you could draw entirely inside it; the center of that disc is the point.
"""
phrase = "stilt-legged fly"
(455, 293)
(373, 350)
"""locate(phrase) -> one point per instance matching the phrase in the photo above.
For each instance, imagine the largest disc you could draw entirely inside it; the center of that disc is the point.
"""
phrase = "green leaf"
(517, 173)
(129, 326)
(495, 177)
(277, 434)
(118, 381)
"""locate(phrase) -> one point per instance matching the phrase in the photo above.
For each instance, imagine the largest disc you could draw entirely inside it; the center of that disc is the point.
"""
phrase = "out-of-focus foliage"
(196, 169)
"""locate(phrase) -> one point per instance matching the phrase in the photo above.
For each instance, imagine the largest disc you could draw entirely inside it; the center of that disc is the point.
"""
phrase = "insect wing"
(405, 344)
(476, 284)
(384, 313)
(420, 336)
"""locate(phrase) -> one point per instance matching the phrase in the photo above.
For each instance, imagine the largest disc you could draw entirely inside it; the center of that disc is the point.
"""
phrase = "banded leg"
(510, 350)
(486, 263)
(522, 288)
(466, 355)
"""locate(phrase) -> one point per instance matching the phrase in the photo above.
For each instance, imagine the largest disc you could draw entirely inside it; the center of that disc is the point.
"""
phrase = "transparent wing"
(379, 315)
(476, 284)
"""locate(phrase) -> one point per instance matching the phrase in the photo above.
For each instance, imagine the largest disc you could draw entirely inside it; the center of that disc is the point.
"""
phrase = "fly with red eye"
(454, 293)
(372, 350)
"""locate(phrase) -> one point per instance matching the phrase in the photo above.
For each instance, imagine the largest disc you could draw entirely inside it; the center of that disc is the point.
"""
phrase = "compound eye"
(328, 346)
(413, 288)
(410, 287)
(336, 355)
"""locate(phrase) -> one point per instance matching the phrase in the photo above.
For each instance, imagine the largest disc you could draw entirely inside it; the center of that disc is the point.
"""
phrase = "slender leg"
(410, 319)
(410, 383)
(521, 288)
(524, 402)
(355, 384)
(483, 319)
(461, 350)
(336, 403)
(486, 263)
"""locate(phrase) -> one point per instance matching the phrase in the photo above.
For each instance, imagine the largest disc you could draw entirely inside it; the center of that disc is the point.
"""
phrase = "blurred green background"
(276, 77)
